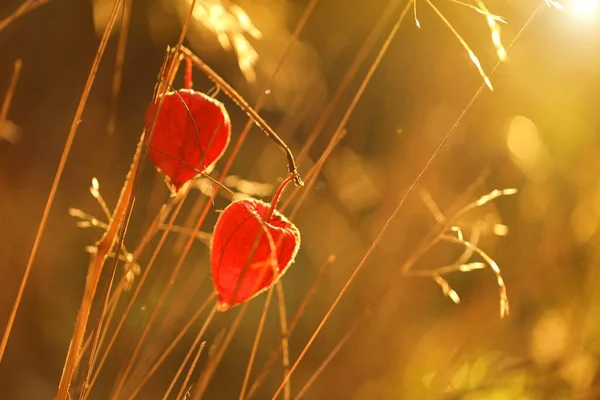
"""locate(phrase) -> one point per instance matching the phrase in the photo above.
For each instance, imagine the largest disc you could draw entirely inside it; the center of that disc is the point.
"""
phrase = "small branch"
(504, 307)
(28, 5)
(239, 100)
(432, 206)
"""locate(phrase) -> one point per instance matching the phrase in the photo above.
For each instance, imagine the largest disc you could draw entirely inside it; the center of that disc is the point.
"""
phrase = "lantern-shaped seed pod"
(252, 246)
(191, 132)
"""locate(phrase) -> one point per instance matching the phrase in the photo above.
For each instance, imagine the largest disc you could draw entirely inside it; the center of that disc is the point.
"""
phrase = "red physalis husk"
(191, 133)
(250, 250)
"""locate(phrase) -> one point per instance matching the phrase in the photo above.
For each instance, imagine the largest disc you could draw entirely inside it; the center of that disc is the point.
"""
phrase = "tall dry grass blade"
(341, 342)
(162, 90)
(261, 325)
(119, 61)
(105, 245)
(138, 386)
(213, 363)
(495, 31)
(349, 76)
(171, 63)
(135, 295)
(183, 394)
(283, 326)
(395, 212)
(140, 342)
(123, 283)
(58, 175)
(103, 330)
(295, 320)
(464, 44)
(195, 344)
(27, 6)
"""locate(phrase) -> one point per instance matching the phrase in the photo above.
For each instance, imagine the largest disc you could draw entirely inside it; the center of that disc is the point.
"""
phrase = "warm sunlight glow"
(584, 9)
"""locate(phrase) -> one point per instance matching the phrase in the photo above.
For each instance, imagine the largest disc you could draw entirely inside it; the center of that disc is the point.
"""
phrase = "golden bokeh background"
(538, 132)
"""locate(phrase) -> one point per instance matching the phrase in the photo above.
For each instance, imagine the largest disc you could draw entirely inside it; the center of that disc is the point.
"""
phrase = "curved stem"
(239, 100)
(277, 196)
(187, 83)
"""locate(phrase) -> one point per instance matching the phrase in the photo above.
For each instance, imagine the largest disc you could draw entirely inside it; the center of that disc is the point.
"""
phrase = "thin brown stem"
(348, 77)
(112, 306)
(313, 174)
(341, 342)
(135, 294)
(283, 326)
(171, 346)
(295, 319)
(183, 394)
(27, 6)
(119, 61)
(259, 330)
(370, 73)
(206, 376)
(276, 198)
(253, 114)
(105, 245)
(195, 344)
(395, 212)
(141, 340)
(59, 171)
(57, 177)
(162, 90)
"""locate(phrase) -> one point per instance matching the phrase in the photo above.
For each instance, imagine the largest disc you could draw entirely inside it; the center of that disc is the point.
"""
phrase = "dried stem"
(239, 100)
(195, 344)
(295, 320)
(71, 136)
(393, 215)
(261, 325)
(276, 197)
(104, 246)
(119, 61)
(207, 374)
(472, 55)
(171, 346)
(27, 6)
(162, 90)
(183, 394)
(141, 340)
(314, 172)
(283, 325)
(504, 307)
(348, 77)
(135, 295)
